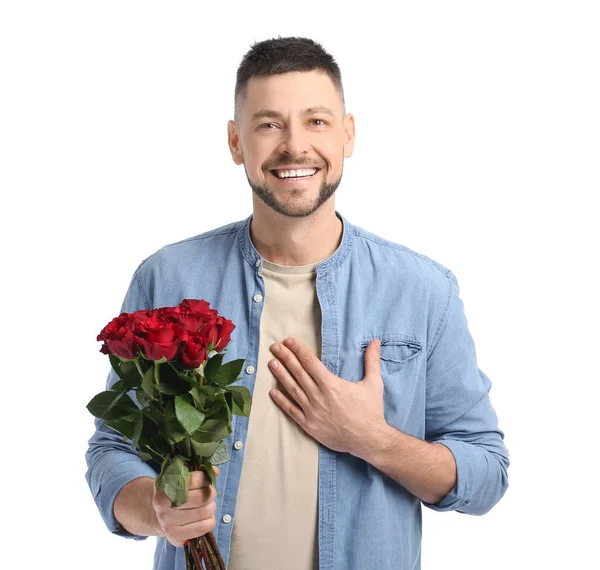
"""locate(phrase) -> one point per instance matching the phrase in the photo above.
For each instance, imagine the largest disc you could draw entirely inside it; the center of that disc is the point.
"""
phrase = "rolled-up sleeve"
(460, 416)
(112, 462)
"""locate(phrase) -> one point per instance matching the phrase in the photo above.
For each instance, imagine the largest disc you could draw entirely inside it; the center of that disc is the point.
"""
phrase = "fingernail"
(276, 348)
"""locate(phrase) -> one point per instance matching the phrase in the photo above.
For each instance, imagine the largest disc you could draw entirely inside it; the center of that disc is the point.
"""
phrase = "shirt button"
(238, 445)
(257, 298)
(250, 369)
(257, 262)
(227, 519)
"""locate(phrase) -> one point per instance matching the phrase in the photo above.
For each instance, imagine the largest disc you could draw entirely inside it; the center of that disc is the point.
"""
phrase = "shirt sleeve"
(459, 415)
(112, 462)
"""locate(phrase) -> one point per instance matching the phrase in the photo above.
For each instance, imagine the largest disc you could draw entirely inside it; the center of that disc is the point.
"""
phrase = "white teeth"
(294, 173)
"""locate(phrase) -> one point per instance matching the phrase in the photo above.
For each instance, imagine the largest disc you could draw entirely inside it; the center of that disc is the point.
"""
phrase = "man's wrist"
(377, 443)
(427, 470)
(133, 508)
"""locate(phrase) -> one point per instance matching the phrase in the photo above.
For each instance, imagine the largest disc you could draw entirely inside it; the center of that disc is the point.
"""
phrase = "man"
(367, 398)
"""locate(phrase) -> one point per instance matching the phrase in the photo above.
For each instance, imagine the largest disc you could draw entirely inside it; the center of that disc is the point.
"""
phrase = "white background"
(477, 144)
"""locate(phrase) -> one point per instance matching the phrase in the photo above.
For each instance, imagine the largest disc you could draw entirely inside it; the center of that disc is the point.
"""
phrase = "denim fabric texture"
(368, 288)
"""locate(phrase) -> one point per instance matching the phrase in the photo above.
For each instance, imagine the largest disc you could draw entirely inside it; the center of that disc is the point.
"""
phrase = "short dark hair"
(281, 55)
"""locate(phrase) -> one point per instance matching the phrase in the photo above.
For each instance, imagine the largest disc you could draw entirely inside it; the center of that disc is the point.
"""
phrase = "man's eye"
(266, 126)
(319, 120)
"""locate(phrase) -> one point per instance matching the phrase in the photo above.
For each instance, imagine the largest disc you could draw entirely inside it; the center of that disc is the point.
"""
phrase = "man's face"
(292, 138)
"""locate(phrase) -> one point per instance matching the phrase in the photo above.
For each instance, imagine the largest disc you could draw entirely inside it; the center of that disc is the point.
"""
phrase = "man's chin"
(297, 209)
(292, 210)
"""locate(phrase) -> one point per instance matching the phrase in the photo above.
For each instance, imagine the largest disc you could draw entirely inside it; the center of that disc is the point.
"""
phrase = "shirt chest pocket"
(395, 350)
(401, 359)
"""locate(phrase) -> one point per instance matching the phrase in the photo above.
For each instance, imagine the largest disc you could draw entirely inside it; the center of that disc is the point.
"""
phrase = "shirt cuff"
(471, 471)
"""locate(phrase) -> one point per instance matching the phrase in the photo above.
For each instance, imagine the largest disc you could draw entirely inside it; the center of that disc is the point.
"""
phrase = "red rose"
(193, 351)
(195, 314)
(118, 338)
(218, 332)
(172, 314)
(157, 336)
(195, 306)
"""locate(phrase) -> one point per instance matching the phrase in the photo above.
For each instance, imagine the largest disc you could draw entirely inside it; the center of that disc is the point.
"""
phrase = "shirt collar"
(252, 256)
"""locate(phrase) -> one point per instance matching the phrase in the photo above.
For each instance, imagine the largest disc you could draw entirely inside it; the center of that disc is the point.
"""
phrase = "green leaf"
(220, 455)
(238, 400)
(189, 417)
(148, 382)
(123, 426)
(169, 390)
(142, 398)
(174, 479)
(246, 403)
(191, 381)
(126, 370)
(213, 365)
(228, 374)
(131, 427)
(154, 414)
(210, 472)
(153, 438)
(173, 382)
(204, 449)
(173, 429)
(159, 445)
(211, 430)
(119, 386)
(219, 409)
(209, 390)
(111, 405)
(137, 431)
(218, 403)
(225, 413)
(198, 396)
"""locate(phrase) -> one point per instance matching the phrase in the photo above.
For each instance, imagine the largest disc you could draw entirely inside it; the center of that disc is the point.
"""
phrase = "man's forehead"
(310, 91)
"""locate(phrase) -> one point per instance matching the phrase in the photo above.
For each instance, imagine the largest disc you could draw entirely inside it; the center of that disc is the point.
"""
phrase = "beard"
(266, 195)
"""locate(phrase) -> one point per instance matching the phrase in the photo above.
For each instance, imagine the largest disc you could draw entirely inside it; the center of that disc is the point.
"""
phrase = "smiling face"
(292, 137)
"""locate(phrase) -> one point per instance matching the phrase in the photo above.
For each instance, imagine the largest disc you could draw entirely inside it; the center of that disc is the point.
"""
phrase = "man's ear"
(349, 135)
(233, 139)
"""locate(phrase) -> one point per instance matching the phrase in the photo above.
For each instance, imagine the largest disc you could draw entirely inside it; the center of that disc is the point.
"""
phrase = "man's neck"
(296, 241)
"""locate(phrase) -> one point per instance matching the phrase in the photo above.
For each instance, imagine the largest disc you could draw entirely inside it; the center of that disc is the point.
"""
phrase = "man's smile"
(294, 176)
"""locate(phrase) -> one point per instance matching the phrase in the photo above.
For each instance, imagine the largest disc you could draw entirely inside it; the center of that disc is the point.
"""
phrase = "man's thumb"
(372, 363)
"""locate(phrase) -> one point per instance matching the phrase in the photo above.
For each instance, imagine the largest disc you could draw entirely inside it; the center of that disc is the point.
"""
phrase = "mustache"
(288, 164)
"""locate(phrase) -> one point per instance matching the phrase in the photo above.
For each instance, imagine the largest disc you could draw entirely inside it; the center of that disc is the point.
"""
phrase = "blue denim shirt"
(368, 288)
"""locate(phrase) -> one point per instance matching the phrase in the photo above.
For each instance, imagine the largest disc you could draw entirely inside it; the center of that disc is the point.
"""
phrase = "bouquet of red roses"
(174, 399)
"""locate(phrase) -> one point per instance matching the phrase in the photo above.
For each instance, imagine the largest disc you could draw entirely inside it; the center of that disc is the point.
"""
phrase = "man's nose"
(294, 141)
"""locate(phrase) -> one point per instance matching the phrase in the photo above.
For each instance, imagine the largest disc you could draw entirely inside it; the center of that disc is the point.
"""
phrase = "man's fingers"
(195, 517)
(200, 479)
(178, 535)
(196, 498)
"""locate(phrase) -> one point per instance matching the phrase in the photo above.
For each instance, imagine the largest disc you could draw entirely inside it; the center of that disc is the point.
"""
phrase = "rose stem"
(205, 557)
(196, 555)
(214, 563)
(211, 539)
(186, 550)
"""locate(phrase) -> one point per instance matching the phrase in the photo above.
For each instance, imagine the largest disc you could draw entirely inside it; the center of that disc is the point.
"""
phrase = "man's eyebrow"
(272, 114)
